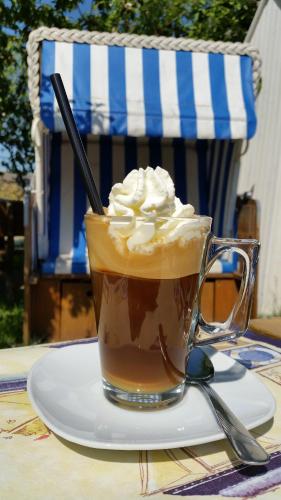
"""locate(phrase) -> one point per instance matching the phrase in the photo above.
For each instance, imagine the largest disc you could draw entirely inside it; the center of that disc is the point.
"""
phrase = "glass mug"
(147, 307)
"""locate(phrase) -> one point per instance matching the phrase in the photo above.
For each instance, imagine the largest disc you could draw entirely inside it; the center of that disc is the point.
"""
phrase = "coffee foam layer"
(171, 260)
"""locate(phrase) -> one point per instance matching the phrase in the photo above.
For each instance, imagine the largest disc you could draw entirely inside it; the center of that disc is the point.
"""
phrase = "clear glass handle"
(237, 322)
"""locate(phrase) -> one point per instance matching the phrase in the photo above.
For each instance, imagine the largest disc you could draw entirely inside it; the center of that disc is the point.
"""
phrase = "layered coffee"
(141, 323)
(143, 306)
(145, 272)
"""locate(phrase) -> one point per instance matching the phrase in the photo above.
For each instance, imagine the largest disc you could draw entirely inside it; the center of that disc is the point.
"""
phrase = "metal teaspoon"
(200, 370)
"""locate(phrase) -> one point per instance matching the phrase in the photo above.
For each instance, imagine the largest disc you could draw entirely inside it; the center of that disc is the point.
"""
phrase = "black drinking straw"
(76, 143)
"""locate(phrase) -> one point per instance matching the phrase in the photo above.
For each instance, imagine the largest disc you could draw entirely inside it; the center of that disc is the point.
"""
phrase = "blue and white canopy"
(148, 92)
(166, 106)
(204, 172)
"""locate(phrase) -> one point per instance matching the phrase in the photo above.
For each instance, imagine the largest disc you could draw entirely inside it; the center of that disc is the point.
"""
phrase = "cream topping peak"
(149, 193)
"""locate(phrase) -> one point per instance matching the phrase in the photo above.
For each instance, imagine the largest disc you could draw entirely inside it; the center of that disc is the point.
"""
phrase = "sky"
(3, 155)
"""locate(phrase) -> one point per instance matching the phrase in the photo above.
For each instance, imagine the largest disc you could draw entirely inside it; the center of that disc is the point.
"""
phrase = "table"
(36, 464)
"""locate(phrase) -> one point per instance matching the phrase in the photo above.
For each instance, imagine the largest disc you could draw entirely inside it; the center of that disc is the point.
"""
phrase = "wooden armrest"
(269, 327)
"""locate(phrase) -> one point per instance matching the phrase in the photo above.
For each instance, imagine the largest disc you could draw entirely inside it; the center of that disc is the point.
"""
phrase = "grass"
(10, 325)
(11, 308)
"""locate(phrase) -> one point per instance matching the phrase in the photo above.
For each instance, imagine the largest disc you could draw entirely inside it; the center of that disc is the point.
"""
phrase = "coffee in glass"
(146, 271)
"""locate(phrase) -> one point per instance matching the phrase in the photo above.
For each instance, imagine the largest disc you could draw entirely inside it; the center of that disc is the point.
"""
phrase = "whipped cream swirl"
(149, 194)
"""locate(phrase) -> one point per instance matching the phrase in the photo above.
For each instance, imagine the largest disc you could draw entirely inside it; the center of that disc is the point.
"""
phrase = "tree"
(208, 19)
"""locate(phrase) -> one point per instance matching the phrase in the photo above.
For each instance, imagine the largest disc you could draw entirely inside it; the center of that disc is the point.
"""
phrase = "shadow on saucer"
(235, 372)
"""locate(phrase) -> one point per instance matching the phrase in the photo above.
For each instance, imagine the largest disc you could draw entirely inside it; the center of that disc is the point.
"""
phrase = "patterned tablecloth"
(36, 464)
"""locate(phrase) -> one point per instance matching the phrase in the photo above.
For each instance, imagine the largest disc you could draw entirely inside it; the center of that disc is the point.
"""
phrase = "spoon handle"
(244, 444)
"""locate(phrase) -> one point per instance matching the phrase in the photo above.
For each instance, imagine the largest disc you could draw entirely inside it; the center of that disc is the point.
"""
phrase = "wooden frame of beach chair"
(57, 288)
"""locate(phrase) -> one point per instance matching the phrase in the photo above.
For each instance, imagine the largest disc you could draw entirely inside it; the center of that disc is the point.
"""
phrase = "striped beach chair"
(183, 104)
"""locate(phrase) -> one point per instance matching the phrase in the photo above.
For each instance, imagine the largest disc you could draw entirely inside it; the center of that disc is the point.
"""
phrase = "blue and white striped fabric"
(148, 92)
(203, 171)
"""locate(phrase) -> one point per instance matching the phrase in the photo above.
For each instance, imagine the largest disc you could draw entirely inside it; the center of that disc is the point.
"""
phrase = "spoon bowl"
(200, 367)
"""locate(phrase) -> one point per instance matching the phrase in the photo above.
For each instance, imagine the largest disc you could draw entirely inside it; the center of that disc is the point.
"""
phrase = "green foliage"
(10, 325)
(17, 19)
(207, 19)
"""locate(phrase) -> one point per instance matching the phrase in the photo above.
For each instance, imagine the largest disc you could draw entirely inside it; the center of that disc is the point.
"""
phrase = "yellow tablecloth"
(36, 464)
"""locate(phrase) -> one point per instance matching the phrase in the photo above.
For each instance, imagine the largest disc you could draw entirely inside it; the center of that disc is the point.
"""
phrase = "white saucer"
(66, 391)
